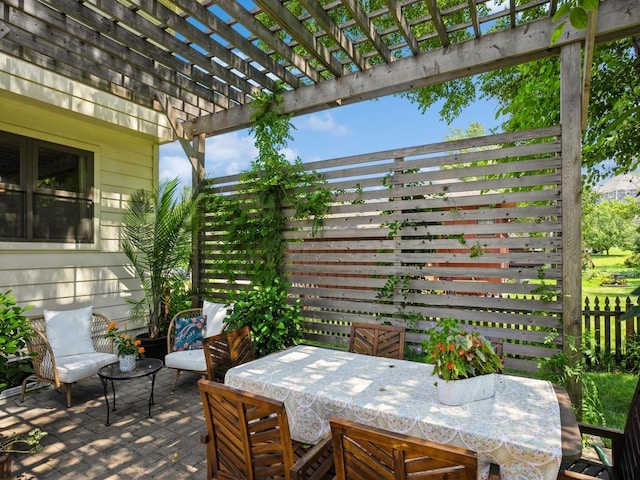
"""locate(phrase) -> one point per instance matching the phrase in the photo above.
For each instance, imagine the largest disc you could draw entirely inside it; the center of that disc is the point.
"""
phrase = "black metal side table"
(144, 367)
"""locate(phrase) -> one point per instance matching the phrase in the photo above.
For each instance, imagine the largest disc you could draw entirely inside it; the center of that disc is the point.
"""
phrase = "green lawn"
(616, 391)
(606, 265)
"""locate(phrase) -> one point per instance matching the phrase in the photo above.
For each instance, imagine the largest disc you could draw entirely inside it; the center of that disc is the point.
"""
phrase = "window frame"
(87, 166)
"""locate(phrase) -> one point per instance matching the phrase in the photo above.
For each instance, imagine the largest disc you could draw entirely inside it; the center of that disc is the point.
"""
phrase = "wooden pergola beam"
(489, 52)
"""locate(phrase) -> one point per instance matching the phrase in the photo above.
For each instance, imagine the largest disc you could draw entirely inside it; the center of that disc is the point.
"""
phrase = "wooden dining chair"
(248, 438)
(362, 451)
(625, 461)
(378, 340)
(227, 350)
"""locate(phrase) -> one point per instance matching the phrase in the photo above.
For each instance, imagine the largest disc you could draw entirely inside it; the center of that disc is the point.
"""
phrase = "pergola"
(203, 61)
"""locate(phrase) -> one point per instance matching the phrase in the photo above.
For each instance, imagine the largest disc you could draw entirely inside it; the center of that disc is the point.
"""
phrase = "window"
(46, 191)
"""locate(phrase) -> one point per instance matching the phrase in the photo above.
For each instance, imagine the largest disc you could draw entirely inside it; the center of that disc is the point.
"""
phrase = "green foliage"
(562, 370)
(157, 230)
(528, 96)
(632, 355)
(255, 219)
(576, 12)
(275, 323)
(270, 194)
(456, 353)
(16, 443)
(15, 330)
(608, 223)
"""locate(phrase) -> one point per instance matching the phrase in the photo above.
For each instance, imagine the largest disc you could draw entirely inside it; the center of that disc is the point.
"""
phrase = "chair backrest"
(368, 452)
(227, 350)
(377, 340)
(248, 435)
(626, 453)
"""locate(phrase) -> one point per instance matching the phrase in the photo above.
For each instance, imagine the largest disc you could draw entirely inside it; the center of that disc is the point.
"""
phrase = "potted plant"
(128, 348)
(16, 443)
(463, 361)
(157, 229)
(15, 329)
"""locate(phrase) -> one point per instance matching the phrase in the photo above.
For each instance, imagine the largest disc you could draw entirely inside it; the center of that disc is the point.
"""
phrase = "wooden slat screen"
(468, 229)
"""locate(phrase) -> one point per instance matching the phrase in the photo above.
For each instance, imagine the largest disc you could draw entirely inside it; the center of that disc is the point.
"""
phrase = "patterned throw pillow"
(189, 333)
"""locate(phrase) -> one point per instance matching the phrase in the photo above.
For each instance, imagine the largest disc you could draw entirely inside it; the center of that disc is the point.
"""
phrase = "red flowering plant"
(456, 353)
(125, 344)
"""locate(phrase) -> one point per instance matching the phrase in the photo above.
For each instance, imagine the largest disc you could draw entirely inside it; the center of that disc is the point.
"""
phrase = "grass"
(616, 391)
(608, 264)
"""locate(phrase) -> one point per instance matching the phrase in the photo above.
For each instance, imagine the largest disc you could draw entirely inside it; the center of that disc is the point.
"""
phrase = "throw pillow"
(189, 333)
(215, 314)
(69, 331)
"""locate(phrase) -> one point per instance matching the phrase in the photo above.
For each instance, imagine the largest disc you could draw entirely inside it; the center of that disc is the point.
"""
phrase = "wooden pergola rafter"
(208, 58)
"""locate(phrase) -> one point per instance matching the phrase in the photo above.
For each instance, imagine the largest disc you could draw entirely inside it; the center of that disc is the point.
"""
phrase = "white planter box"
(466, 390)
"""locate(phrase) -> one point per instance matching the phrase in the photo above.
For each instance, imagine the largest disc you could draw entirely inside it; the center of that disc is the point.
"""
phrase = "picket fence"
(602, 318)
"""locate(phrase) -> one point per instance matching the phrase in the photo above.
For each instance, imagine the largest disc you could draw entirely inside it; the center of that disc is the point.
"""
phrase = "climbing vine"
(254, 220)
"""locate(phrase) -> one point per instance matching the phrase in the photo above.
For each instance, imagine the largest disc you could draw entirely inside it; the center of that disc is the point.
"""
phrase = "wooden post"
(571, 121)
(196, 182)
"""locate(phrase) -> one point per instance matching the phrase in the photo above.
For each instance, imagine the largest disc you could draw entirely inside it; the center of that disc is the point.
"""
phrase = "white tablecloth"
(518, 428)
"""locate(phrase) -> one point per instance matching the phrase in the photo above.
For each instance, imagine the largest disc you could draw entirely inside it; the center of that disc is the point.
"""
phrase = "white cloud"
(224, 155)
(229, 154)
(324, 122)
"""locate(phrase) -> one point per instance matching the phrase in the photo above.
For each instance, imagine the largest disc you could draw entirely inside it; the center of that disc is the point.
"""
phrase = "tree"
(156, 238)
(528, 96)
(608, 223)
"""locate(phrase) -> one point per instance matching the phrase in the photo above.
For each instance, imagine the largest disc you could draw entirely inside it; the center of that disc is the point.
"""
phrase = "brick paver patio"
(79, 445)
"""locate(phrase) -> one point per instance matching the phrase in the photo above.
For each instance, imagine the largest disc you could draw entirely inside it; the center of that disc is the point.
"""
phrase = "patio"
(79, 445)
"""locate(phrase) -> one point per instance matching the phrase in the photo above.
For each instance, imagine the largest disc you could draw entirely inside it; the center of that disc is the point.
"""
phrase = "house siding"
(63, 276)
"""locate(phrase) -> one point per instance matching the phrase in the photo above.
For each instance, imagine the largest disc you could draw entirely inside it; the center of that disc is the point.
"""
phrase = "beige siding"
(64, 275)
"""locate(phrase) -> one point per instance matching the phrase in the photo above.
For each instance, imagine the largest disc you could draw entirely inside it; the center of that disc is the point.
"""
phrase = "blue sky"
(370, 126)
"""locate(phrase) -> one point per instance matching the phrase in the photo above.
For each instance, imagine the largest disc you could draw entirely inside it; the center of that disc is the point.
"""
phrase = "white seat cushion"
(72, 368)
(187, 360)
(215, 314)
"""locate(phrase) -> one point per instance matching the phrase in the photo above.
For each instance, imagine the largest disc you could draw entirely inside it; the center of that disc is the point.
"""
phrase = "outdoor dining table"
(519, 428)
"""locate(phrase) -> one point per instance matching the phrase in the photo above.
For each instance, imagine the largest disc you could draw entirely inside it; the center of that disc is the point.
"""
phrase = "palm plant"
(156, 235)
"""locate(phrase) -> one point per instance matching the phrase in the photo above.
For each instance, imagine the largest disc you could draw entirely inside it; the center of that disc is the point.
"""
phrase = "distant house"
(70, 156)
(620, 187)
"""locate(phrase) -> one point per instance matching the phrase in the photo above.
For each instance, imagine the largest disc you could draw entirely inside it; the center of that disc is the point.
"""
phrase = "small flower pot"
(127, 363)
(466, 390)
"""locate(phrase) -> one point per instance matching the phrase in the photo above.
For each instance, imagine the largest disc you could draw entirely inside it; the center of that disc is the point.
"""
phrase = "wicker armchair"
(377, 340)
(248, 437)
(66, 370)
(193, 359)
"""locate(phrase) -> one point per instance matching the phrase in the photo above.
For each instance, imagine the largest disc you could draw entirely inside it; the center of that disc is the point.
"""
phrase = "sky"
(365, 127)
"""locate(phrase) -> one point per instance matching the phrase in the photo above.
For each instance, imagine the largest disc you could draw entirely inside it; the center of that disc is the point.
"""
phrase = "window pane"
(9, 160)
(62, 219)
(12, 215)
(59, 170)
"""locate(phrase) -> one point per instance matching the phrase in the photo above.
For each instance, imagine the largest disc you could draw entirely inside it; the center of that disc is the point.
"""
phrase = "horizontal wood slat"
(423, 231)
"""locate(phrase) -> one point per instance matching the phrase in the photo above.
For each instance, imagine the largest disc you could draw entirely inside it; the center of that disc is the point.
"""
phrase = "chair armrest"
(598, 431)
(42, 359)
(319, 458)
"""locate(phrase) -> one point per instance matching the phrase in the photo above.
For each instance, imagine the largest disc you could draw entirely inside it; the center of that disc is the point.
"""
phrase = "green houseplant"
(15, 330)
(463, 361)
(157, 229)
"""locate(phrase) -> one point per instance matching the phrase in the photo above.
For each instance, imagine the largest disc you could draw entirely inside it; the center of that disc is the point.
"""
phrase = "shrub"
(15, 329)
